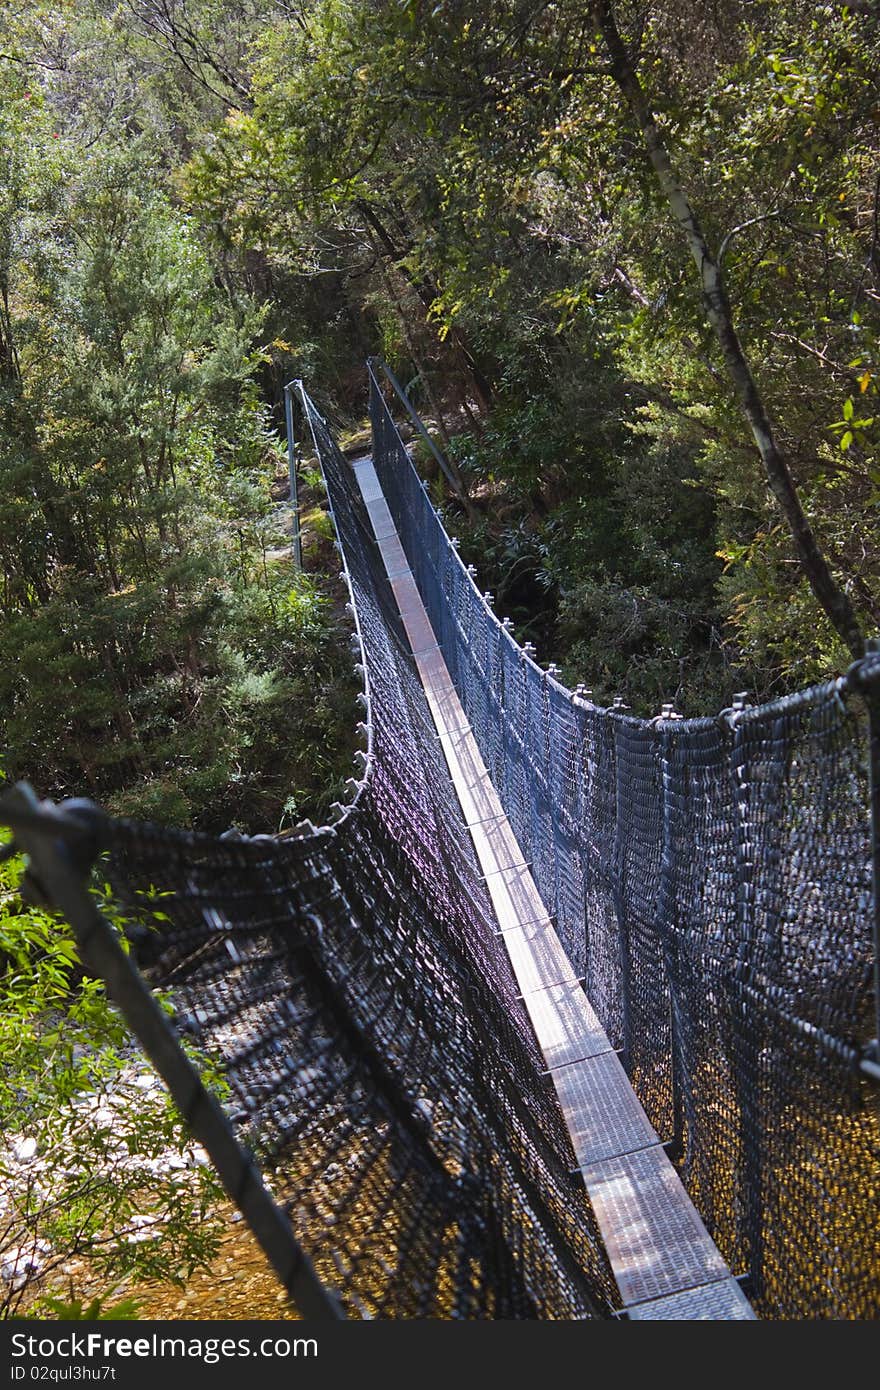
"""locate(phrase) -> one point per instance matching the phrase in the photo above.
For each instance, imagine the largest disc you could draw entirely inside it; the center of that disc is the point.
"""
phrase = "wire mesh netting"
(379, 1060)
(711, 881)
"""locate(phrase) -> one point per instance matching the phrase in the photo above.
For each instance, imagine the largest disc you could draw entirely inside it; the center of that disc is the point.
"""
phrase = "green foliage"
(610, 572)
(201, 200)
(95, 1167)
(483, 159)
(160, 642)
(460, 189)
(77, 1310)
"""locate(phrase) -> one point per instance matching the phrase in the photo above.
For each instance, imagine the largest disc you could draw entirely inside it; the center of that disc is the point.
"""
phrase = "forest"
(201, 201)
(625, 258)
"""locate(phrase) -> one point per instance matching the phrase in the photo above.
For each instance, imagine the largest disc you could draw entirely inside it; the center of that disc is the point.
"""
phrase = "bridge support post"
(414, 417)
(666, 923)
(746, 1037)
(619, 899)
(675, 1147)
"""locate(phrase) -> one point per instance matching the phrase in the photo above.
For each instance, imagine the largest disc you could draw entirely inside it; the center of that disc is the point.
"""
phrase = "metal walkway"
(663, 1258)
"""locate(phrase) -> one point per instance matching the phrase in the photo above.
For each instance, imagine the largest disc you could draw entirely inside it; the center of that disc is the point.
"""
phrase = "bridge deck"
(663, 1258)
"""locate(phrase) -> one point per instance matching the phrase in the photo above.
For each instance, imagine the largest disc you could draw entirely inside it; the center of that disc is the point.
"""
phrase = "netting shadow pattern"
(710, 880)
(379, 1060)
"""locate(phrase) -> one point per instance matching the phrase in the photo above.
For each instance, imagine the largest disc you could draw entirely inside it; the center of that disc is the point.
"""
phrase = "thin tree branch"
(833, 599)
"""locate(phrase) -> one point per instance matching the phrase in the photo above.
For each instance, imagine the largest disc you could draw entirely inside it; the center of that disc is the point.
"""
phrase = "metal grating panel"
(656, 1242)
(383, 526)
(368, 482)
(535, 954)
(601, 1110)
(566, 1025)
(463, 751)
(515, 888)
(495, 841)
(432, 668)
(478, 803)
(442, 700)
(723, 1301)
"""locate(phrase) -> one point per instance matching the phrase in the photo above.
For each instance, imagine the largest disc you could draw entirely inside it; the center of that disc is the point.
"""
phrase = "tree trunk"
(433, 399)
(830, 595)
(427, 293)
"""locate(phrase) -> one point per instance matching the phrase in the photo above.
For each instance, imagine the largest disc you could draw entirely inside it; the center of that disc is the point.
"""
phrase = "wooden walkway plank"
(664, 1261)
(406, 593)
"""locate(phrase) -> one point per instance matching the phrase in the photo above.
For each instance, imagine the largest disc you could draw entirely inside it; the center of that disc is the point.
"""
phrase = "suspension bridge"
(566, 1015)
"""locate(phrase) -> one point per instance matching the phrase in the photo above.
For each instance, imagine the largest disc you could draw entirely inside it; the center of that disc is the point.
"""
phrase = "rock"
(24, 1150)
(143, 1229)
(21, 1263)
